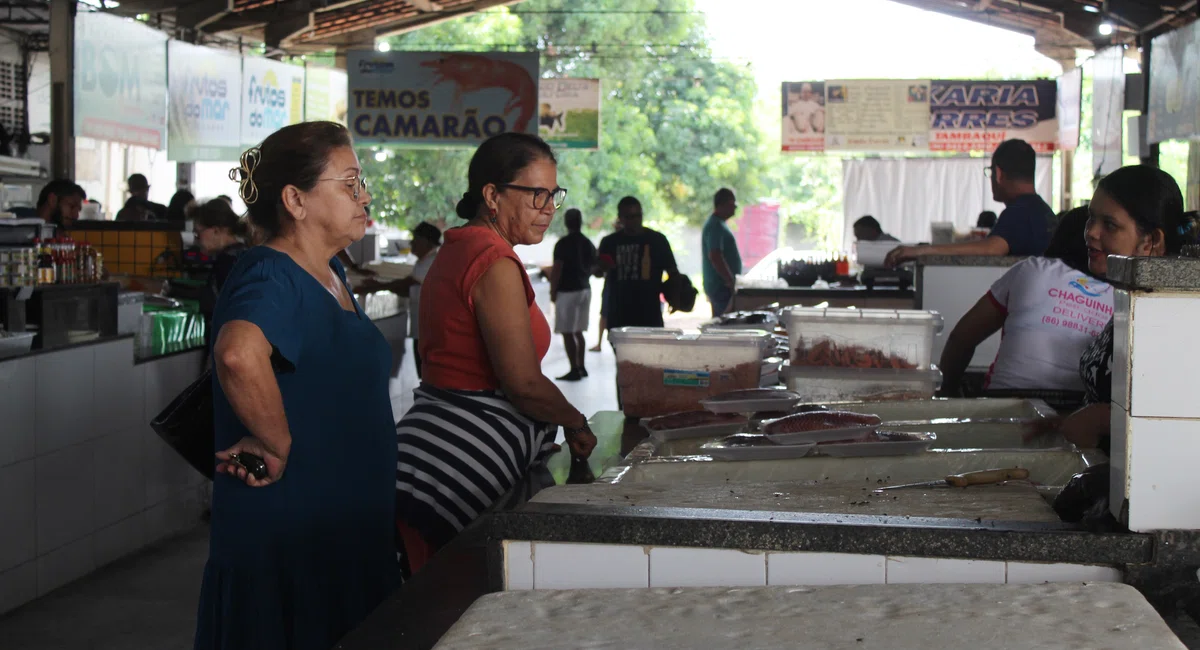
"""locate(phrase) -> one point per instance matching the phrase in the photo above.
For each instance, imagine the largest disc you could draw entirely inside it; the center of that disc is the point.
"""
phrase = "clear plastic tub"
(667, 371)
(15, 344)
(862, 338)
(820, 384)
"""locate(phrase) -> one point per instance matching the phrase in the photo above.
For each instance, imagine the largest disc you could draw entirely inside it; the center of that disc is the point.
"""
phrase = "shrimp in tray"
(471, 73)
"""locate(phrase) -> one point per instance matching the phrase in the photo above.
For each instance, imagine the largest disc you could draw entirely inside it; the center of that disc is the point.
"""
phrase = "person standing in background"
(604, 295)
(722, 262)
(180, 203)
(637, 257)
(139, 207)
(426, 240)
(1024, 226)
(571, 293)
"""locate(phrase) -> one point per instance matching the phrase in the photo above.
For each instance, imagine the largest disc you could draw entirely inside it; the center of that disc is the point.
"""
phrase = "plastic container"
(821, 384)
(667, 371)
(16, 344)
(849, 338)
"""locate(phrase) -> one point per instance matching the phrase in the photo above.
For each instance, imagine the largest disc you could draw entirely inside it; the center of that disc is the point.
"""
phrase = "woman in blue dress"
(299, 557)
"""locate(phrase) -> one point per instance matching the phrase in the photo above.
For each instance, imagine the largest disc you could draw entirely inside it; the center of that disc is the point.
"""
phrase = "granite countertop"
(1155, 273)
(897, 617)
(833, 290)
(967, 260)
(79, 344)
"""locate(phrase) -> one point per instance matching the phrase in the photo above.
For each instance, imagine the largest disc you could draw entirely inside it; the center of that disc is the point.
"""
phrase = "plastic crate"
(862, 338)
(667, 371)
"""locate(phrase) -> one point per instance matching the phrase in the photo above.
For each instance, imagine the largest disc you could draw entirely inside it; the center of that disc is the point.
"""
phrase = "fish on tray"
(821, 420)
(739, 440)
(688, 419)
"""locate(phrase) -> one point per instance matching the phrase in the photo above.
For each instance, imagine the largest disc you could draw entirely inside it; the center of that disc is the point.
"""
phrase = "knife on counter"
(982, 477)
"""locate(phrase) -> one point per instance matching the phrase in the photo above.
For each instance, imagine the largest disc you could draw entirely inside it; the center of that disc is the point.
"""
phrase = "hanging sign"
(569, 113)
(877, 115)
(324, 94)
(803, 116)
(979, 115)
(205, 88)
(120, 80)
(1174, 106)
(441, 99)
(273, 97)
(1070, 108)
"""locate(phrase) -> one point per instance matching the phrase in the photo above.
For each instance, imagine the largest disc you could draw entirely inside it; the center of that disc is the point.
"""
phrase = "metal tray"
(701, 431)
(821, 435)
(763, 452)
(783, 401)
(881, 448)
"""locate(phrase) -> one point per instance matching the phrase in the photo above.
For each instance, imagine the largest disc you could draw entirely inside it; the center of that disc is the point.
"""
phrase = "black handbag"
(187, 425)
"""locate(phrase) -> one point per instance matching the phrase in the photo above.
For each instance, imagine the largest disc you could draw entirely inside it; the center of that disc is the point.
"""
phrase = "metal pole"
(62, 88)
(1152, 158)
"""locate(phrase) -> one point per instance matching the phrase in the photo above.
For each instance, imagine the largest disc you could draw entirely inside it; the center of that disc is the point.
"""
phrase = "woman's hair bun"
(468, 206)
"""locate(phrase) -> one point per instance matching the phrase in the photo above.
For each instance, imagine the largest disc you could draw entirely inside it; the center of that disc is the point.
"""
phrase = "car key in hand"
(253, 465)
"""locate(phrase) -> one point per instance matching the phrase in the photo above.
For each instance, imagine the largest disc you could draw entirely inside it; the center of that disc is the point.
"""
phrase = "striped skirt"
(459, 452)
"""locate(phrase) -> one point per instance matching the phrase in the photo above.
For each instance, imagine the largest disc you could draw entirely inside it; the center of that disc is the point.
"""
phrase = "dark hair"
(868, 222)
(1067, 243)
(1153, 201)
(573, 220)
(1016, 159)
(987, 219)
(498, 161)
(177, 208)
(723, 195)
(217, 214)
(428, 231)
(626, 203)
(294, 155)
(61, 188)
(138, 182)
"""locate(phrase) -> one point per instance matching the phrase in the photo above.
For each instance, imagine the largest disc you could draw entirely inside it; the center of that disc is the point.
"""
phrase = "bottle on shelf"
(45, 274)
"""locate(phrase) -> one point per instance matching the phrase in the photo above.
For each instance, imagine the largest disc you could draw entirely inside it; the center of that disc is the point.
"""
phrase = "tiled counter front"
(554, 565)
(83, 478)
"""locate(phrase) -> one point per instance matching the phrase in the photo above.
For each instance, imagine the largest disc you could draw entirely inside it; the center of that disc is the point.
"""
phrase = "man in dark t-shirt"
(637, 258)
(570, 290)
(1023, 227)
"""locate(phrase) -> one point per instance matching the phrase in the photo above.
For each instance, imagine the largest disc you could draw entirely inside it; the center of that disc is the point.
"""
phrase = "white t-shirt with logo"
(1053, 313)
(420, 270)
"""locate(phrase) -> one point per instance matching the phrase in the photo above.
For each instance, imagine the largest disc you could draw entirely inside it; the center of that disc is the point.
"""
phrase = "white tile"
(18, 515)
(1164, 486)
(1036, 573)
(825, 569)
(706, 567)
(120, 539)
(120, 388)
(65, 496)
(166, 473)
(166, 378)
(1118, 485)
(1122, 308)
(589, 566)
(18, 385)
(518, 565)
(158, 523)
(120, 477)
(18, 586)
(64, 565)
(65, 399)
(928, 571)
(1163, 364)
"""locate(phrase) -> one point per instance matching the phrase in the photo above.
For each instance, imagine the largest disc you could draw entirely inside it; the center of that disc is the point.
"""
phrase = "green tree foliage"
(675, 123)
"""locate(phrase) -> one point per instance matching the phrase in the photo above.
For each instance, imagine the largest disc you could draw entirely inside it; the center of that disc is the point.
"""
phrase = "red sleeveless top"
(453, 353)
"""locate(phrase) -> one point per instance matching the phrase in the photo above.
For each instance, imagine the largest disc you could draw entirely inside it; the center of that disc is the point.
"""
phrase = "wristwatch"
(572, 431)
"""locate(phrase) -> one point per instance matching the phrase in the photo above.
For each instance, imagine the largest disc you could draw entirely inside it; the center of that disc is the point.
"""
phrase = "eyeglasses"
(541, 195)
(359, 186)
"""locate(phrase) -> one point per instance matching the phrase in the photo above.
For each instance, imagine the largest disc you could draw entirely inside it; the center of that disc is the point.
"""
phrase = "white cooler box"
(862, 338)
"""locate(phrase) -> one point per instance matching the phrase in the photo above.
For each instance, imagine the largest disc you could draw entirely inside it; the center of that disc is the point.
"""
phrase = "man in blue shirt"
(721, 259)
(1023, 228)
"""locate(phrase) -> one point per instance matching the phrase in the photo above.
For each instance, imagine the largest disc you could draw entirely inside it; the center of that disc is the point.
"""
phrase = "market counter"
(858, 296)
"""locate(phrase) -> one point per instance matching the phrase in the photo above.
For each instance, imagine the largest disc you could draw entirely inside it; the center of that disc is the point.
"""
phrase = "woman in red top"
(485, 413)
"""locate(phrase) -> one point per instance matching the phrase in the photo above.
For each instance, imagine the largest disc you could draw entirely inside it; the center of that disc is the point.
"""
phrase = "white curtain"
(907, 194)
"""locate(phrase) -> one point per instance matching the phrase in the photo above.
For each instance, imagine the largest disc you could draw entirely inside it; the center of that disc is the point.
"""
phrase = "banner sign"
(877, 115)
(804, 116)
(441, 99)
(120, 80)
(1174, 107)
(569, 113)
(325, 94)
(1070, 108)
(273, 97)
(1108, 109)
(979, 115)
(205, 88)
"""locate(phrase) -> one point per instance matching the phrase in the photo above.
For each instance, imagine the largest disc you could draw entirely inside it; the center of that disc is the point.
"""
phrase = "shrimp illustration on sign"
(471, 73)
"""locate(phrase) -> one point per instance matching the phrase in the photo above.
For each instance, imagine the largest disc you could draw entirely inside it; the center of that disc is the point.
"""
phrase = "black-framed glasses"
(987, 171)
(541, 195)
(360, 184)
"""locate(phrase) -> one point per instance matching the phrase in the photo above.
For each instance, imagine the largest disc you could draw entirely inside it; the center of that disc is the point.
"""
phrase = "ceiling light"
(1106, 28)
(380, 156)
(1091, 9)
(384, 46)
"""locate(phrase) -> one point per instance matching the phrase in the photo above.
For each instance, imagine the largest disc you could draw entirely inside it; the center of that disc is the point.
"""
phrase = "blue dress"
(298, 564)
